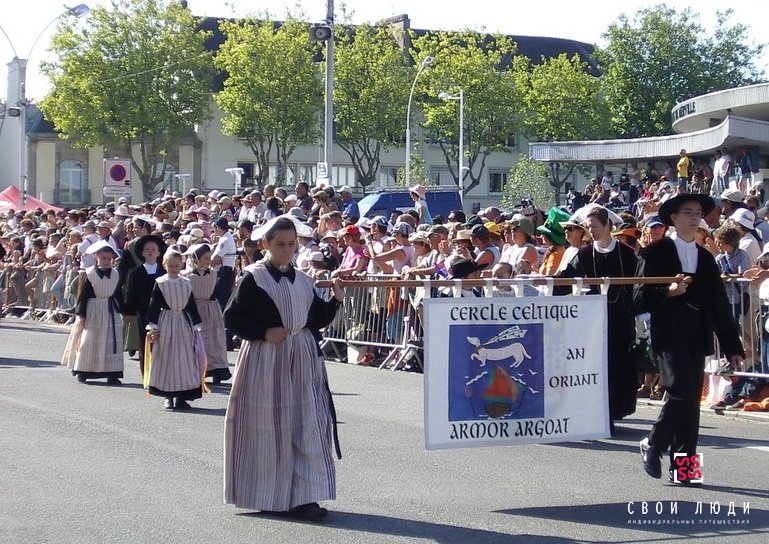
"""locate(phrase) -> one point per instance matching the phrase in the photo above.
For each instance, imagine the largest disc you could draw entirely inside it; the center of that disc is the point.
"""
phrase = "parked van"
(441, 200)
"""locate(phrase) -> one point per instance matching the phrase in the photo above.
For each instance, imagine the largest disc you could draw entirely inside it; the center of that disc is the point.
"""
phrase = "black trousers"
(225, 283)
(678, 425)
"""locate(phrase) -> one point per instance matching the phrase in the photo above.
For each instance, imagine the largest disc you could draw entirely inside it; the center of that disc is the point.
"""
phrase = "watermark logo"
(687, 469)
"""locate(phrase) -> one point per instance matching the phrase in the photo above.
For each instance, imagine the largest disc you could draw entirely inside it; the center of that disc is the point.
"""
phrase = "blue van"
(440, 201)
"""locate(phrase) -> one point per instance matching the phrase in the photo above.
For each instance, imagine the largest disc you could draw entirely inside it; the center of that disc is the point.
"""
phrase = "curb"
(762, 417)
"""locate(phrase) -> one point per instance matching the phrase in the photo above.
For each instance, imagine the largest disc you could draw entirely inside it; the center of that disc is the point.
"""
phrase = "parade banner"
(505, 371)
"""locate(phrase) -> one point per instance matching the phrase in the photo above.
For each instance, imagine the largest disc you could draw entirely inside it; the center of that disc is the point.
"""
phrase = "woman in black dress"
(606, 257)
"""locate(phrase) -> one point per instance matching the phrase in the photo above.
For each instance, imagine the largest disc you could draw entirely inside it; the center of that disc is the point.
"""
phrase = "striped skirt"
(278, 428)
(174, 371)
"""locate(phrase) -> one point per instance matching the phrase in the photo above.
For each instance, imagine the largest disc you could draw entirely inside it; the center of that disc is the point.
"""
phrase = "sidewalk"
(741, 414)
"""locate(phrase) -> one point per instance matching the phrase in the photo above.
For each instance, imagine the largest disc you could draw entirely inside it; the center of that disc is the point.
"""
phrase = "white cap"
(732, 195)
(344, 189)
(744, 217)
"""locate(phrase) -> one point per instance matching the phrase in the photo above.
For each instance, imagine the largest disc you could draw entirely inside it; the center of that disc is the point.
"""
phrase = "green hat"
(552, 226)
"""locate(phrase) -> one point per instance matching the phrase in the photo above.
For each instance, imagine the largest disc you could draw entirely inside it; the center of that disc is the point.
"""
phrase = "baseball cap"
(732, 195)
(653, 221)
(345, 189)
(403, 228)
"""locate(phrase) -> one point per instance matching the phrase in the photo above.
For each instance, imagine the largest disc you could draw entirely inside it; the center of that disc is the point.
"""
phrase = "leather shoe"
(169, 404)
(651, 458)
(114, 381)
(309, 511)
(81, 378)
(182, 404)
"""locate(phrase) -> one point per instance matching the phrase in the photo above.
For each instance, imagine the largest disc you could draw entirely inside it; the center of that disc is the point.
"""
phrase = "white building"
(63, 175)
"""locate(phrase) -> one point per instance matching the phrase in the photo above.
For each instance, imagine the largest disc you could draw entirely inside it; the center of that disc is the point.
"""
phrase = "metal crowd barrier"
(362, 324)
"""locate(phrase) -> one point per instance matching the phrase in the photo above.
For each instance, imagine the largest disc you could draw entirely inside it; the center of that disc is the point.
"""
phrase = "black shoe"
(114, 381)
(131, 352)
(216, 380)
(651, 459)
(182, 404)
(169, 404)
(81, 378)
(308, 511)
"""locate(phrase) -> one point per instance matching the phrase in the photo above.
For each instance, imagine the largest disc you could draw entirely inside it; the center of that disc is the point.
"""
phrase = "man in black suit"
(684, 316)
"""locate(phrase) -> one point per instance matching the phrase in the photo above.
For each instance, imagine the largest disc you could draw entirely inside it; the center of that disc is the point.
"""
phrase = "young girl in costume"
(173, 369)
(203, 282)
(280, 417)
(95, 346)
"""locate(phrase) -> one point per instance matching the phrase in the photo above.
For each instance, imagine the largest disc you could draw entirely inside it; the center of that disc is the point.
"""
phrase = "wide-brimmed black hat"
(672, 205)
(464, 267)
(141, 242)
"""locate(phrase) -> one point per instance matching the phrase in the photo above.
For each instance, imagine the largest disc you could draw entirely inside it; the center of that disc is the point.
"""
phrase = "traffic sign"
(116, 192)
(117, 173)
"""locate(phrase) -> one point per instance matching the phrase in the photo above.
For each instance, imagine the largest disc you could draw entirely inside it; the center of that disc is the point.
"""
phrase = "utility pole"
(328, 140)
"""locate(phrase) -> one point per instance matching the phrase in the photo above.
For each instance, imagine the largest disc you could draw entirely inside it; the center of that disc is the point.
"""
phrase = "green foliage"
(371, 87)
(665, 56)
(136, 74)
(273, 91)
(419, 173)
(527, 179)
(476, 64)
(565, 104)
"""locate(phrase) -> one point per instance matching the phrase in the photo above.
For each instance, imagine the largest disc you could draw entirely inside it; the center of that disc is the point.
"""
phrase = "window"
(72, 183)
(510, 141)
(497, 181)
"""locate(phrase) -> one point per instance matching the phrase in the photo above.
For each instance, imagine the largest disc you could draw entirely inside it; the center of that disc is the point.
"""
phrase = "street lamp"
(237, 173)
(461, 159)
(78, 11)
(427, 61)
(182, 178)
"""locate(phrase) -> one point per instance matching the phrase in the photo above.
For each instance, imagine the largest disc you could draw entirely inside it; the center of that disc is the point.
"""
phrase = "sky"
(584, 21)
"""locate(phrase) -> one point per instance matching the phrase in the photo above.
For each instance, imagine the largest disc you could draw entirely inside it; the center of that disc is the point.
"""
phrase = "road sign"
(117, 173)
(116, 192)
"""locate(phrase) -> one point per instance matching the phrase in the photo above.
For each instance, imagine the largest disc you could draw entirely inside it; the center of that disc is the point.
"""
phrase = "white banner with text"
(506, 371)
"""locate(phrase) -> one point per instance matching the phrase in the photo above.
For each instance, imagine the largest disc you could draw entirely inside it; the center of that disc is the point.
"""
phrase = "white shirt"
(750, 246)
(687, 254)
(151, 268)
(226, 249)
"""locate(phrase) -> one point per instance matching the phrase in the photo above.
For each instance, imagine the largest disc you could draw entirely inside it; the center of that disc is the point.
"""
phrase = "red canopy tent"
(10, 195)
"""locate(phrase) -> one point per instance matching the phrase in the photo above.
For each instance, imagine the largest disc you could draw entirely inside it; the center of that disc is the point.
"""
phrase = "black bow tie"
(104, 273)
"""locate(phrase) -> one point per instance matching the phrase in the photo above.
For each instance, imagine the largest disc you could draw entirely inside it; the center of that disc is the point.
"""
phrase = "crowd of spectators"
(43, 253)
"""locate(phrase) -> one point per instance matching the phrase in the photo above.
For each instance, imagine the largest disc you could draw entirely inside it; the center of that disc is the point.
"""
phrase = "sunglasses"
(569, 229)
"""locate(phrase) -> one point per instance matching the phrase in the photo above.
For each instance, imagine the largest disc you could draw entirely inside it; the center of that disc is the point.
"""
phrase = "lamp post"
(78, 11)
(182, 178)
(461, 159)
(427, 61)
(237, 173)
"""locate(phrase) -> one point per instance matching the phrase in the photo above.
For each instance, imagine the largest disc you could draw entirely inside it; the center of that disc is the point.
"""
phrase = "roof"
(731, 132)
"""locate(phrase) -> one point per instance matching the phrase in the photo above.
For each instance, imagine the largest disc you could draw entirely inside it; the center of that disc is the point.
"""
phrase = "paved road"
(93, 464)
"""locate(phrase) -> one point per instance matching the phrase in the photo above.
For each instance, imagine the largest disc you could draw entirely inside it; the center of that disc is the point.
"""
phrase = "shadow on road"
(685, 521)
(5, 362)
(5, 324)
(208, 411)
(405, 528)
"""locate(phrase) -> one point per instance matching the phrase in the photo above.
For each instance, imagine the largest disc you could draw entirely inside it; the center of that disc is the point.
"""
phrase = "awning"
(732, 132)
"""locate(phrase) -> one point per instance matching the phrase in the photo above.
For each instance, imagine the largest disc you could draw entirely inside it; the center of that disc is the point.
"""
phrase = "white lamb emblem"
(515, 350)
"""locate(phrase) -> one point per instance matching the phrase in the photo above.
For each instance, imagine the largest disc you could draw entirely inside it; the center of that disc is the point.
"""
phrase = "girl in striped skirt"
(174, 371)
(280, 418)
(95, 345)
(203, 285)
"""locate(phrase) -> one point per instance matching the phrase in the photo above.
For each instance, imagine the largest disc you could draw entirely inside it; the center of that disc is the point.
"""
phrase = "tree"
(481, 66)
(565, 104)
(273, 93)
(133, 75)
(664, 57)
(528, 179)
(371, 86)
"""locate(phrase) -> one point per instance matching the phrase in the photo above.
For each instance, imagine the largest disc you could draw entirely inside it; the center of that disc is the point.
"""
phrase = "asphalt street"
(97, 464)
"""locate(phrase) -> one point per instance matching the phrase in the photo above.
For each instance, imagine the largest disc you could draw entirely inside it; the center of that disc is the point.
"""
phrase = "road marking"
(749, 446)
